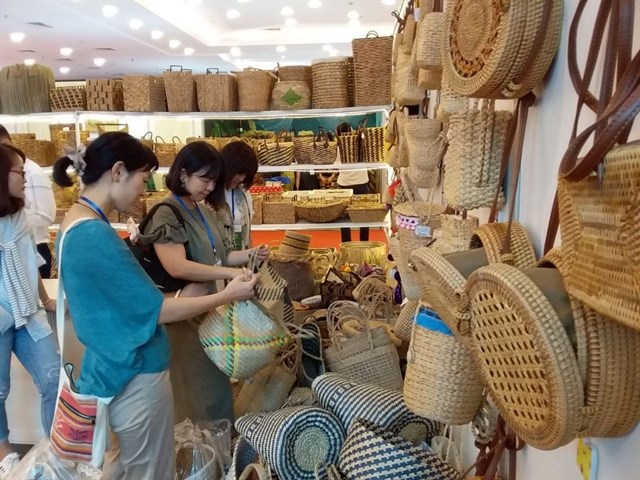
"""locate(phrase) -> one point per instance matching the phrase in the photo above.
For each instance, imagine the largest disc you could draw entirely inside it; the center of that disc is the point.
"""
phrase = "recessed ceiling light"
(66, 51)
(64, 70)
(135, 24)
(98, 62)
(315, 3)
(235, 51)
(286, 11)
(353, 14)
(157, 34)
(232, 14)
(174, 43)
(29, 61)
(281, 48)
(290, 22)
(388, 2)
(16, 37)
(189, 51)
(109, 10)
(327, 48)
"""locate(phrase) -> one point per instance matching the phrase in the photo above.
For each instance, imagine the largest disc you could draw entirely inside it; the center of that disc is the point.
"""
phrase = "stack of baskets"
(43, 152)
(105, 95)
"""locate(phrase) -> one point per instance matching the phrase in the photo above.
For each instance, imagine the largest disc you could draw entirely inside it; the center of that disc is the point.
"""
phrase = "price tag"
(424, 231)
(587, 459)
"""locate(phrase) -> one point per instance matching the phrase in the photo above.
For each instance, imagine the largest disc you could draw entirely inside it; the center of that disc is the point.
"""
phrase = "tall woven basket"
(372, 69)
(25, 89)
(332, 78)
(144, 93)
(291, 95)
(254, 89)
(180, 88)
(217, 92)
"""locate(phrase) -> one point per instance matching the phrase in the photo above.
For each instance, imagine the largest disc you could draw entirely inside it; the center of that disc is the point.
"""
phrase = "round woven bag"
(496, 49)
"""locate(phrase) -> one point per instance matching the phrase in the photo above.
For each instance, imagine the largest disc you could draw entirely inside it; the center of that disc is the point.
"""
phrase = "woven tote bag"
(370, 356)
(511, 50)
(523, 342)
(427, 144)
(294, 440)
(278, 153)
(271, 292)
(315, 150)
(370, 451)
(407, 91)
(429, 42)
(441, 382)
(477, 140)
(241, 338)
(607, 354)
(349, 400)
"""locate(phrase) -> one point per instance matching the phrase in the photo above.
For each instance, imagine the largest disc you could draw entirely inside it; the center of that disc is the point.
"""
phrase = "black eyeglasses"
(21, 172)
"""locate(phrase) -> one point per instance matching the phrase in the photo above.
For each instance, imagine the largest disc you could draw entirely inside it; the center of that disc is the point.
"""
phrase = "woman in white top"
(240, 167)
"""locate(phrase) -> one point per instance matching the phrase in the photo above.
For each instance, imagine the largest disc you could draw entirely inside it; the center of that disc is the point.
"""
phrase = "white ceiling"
(200, 25)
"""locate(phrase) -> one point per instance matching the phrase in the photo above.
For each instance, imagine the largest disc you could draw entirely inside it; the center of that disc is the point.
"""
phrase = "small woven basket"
(105, 95)
(372, 69)
(43, 152)
(371, 212)
(166, 152)
(180, 88)
(64, 136)
(257, 200)
(454, 234)
(291, 95)
(144, 93)
(217, 92)
(278, 210)
(331, 82)
(321, 210)
(66, 99)
(254, 89)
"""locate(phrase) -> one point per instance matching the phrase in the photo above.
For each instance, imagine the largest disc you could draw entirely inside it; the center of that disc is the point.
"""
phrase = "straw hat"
(294, 243)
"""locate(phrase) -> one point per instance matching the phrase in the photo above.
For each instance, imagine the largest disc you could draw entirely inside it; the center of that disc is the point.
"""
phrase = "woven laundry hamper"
(180, 88)
(332, 82)
(372, 69)
(254, 89)
(144, 93)
(216, 92)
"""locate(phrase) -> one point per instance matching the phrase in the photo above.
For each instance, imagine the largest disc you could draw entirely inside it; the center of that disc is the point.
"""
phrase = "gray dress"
(201, 391)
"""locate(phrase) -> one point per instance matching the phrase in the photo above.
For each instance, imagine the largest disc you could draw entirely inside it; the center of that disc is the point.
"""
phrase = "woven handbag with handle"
(278, 153)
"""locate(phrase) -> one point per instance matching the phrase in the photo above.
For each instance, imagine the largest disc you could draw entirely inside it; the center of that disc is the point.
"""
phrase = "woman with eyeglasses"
(24, 329)
(196, 252)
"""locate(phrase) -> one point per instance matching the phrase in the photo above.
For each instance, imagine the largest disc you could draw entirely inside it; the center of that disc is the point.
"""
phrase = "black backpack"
(146, 254)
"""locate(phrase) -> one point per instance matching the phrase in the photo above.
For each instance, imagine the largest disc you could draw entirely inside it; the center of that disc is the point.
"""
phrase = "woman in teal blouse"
(119, 314)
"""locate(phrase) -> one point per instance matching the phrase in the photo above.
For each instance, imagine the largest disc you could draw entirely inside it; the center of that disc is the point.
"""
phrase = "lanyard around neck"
(204, 225)
(93, 206)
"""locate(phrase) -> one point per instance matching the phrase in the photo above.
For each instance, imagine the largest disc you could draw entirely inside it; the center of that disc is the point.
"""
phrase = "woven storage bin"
(608, 358)
(321, 210)
(373, 253)
(441, 382)
(477, 141)
(426, 145)
(257, 200)
(296, 73)
(66, 138)
(331, 77)
(373, 145)
(276, 209)
(372, 70)
(521, 333)
(180, 89)
(105, 95)
(254, 89)
(166, 152)
(144, 93)
(66, 99)
(315, 150)
(350, 400)
(454, 234)
(43, 152)
(372, 212)
(294, 440)
(499, 60)
(291, 95)
(25, 89)
(368, 357)
(217, 92)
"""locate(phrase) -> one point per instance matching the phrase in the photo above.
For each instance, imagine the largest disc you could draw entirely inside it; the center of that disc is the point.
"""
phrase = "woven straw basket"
(105, 95)
(43, 152)
(521, 337)
(320, 210)
(426, 144)
(25, 89)
(295, 73)
(254, 89)
(454, 234)
(144, 93)
(367, 212)
(291, 95)
(430, 79)
(372, 69)
(416, 222)
(331, 82)
(180, 88)
(429, 40)
(511, 51)
(166, 152)
(216, 92)
(276, 209)
(316, 150)
(66, 99)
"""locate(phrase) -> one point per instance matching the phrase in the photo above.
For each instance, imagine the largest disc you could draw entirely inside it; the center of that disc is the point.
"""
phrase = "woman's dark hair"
(5, 137)
(103, 153)
(8, 204)
(239, 159)
(202, 159)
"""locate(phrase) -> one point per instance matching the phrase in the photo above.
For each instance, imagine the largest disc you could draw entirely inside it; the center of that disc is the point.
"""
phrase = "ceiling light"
(286, 11)
(315, 3)
(16, 37)
(232, 14)
(281, 48)
(327, 48)
(157, 34)
(189, 51)
(283, 57)
(388, 2)
(109, 10)
(290, 22)
(235, 51)
(98, 62)
(174, 43)
(64, 70)
(135, 24)
(66, 51)
(353, 14)
(29, 61)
